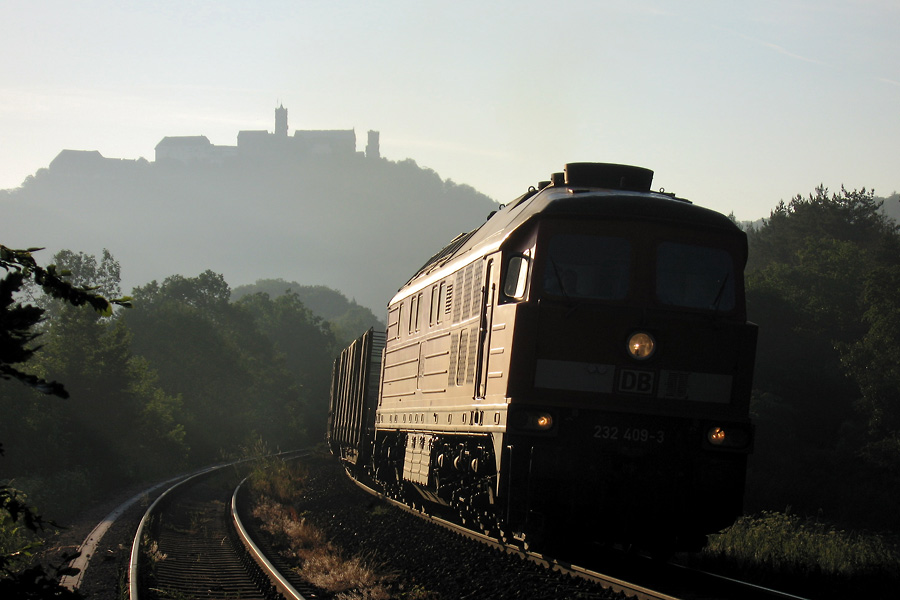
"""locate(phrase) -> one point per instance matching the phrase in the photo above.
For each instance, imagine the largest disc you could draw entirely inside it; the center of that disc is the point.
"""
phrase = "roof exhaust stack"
(607, 175)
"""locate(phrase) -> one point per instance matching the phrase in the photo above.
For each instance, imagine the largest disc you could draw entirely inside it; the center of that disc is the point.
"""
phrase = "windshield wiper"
(562, 287)
(559, 279)
(721, 291)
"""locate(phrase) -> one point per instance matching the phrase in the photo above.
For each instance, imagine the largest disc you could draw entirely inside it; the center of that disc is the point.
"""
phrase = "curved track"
(193, 542)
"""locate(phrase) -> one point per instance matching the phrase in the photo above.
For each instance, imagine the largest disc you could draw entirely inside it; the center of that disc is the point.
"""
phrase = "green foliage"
(821, 283)
(850, 216)
(120, 409)
(17, 321)
(181, 380)
(346, 318)
(203, 352)
(257, 365)
(85, 271)
(63, 491)
(874, 359)
(777, 543)
(304, 341)
(272, 476)
(17, 333)
(37, 584)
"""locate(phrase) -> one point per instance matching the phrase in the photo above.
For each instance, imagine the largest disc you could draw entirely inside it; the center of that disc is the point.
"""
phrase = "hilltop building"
(265, 145)
(90, 163)
(252, 147)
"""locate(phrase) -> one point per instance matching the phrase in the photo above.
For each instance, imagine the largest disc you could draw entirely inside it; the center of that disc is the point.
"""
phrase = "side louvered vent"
(454, 349)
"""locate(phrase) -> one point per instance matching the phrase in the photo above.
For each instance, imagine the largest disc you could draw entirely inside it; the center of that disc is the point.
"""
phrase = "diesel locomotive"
(577, 368)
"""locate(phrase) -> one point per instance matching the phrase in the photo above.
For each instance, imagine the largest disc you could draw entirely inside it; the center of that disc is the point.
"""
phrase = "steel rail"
(278, 580)
(133, 576)
(608, 581)
(89, 546)
(746, 584)
(133, 579)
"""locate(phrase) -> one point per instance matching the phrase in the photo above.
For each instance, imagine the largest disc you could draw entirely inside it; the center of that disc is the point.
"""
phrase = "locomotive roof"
(631, 200)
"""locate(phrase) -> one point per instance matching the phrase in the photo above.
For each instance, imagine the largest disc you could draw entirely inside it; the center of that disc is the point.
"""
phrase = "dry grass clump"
(273, 476)
(351, 579)
(321, 563)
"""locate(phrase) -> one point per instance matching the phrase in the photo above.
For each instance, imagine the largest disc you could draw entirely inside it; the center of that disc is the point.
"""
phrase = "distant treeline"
(188, 376)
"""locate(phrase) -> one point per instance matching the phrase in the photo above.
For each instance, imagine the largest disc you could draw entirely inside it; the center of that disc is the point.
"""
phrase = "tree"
(347, 319)
(234, 382)
(18, 320)
(17, 323)
(850, 216)
(873, 361)
(821, 282)
(305, 343)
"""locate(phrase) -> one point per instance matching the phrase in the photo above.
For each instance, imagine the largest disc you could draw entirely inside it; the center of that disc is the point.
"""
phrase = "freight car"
(576, 368)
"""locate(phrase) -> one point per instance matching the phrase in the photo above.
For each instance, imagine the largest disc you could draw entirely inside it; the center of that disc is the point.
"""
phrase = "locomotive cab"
(632, 341)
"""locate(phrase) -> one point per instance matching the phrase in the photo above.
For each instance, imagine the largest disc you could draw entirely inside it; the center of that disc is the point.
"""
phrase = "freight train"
(577, 368)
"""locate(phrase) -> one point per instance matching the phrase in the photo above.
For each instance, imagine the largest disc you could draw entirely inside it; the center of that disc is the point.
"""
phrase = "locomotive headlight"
(730, 437)
(530, 420)
(543, 421)
(716, 436)
(641, 346)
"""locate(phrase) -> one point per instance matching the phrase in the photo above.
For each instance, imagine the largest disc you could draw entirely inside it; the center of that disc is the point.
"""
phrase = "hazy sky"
(735, 105)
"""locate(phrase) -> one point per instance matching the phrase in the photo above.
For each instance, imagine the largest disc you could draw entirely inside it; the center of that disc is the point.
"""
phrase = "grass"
(271, 475)
(275, 484)
(321, 563)
(785, 548)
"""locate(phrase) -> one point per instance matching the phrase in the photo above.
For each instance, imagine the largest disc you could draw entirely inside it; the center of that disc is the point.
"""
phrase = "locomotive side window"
(516, 277)
(692, 276)
(588, 266)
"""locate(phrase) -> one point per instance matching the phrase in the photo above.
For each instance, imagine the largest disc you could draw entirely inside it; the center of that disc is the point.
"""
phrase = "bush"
(783, 549)
(60, 495)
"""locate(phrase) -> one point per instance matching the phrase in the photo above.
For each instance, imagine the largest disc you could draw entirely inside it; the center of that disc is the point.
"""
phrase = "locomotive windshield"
(694, 276)
(598, 267)
(588, 266)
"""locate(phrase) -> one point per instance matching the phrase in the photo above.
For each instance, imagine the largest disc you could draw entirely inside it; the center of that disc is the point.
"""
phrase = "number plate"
(629, 435)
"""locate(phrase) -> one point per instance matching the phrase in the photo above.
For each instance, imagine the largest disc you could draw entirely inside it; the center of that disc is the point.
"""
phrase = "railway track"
(630, 576)
(188, 547)
(194, 542)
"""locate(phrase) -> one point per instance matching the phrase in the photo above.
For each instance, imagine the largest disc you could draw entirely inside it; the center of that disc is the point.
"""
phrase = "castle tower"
(281, 125)
(372, 150)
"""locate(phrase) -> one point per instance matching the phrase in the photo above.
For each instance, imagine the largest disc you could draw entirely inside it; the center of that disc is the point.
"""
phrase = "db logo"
(636, 382)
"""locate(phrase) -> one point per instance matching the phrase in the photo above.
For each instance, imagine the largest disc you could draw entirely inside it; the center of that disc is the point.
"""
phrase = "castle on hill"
(262, 144)
(251, 146)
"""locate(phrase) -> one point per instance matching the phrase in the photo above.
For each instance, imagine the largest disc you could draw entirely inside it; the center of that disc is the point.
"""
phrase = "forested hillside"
(186, 377)
(346, 318)
(358, 225)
